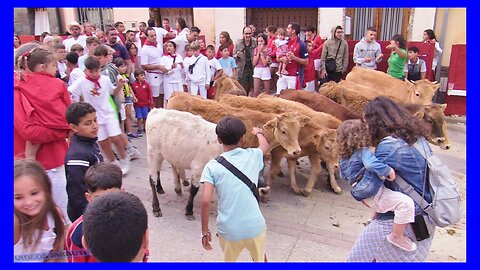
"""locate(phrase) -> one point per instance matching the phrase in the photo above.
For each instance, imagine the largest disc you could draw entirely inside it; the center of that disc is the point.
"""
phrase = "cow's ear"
(303, 120)
(444, 106)
(270, 124)
(420, 113)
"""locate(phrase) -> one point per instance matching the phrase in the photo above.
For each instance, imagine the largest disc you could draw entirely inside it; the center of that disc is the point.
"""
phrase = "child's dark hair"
(173, 43)
(230, 130)
(118, 62)
(92, 63)
(413, 49)
(58, 46)
(114, 226)
(92, 40)
(223, 47)
(78, 110)
(72, 57)
(76, 48)
(30, 225)
(210, 47)
(36, 56)
(137, 72)
(101, 50)
(103, 176)
(351, 135)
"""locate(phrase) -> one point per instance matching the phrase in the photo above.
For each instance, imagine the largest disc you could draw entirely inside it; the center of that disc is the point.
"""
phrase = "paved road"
(320, 228)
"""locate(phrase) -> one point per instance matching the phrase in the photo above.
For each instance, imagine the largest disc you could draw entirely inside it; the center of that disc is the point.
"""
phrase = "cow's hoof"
(306, 193)
(263, 199)
(157, 213)
(186, 183)
(297, 191)
(178, 191)
(338, 191)
(190, 217)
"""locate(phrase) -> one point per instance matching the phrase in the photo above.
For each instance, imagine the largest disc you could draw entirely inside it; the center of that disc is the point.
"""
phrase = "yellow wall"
(456, 30)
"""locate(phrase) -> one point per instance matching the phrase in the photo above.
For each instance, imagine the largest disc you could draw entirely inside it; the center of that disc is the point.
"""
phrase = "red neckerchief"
(96, 82)
(88, 34)
(148, 43)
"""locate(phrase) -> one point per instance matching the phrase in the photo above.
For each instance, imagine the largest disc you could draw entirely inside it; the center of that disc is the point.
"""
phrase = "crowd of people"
(85, 89)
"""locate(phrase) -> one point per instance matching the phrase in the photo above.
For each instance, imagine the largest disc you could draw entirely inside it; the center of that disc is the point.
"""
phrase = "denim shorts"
(141, 112)
(128, 100)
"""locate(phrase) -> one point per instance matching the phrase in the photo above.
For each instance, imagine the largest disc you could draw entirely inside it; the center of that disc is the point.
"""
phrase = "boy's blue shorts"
(141, 112)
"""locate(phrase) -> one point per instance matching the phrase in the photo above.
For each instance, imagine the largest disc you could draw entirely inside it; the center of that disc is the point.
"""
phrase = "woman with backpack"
(394, 132)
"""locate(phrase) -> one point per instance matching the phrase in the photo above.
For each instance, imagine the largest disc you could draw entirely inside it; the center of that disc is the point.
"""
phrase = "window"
(100, 17)
(387, 21)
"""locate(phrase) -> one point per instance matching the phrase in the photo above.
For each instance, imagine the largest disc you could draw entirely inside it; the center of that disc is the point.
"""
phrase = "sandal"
(407, 244)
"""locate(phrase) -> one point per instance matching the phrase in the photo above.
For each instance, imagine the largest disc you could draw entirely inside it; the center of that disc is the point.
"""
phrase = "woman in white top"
(429, 37)
(38, 223)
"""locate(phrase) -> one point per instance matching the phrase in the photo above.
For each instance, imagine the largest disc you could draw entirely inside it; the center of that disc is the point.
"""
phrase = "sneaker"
(132, 135)
(125, 166)
(133, 152)
(140, 133)
(278, 73)
(405, 243)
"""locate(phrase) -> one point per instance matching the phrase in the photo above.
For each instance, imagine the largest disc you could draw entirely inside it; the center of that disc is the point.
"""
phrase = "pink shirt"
(266, 52)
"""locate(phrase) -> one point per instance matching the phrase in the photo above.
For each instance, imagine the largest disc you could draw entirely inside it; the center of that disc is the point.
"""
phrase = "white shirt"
(161, 32)
(201, 71)
(76, 74)
(62, 69)
(151, 56)
(138, 42)
(181, 41)
(214, 66)
(175, 76)
(100, 101)
(423, 67)
(82, 40)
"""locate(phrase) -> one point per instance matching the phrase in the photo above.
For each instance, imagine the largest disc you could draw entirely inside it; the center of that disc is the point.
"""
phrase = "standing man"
(272, 35)
(92, 43)
(367, 52)
(152, 52)
(75, 30)
(88, 29)
(183, 40)
(330, 48)
(130, 36)
(243, 56)
(240, 223)
(298, 58)
(140, 38)
(120, 49)
(120, 28)
(160, 32)
(166, 26)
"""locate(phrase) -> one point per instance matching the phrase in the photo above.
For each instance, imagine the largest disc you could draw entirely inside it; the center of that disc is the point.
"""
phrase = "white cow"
(186, 141)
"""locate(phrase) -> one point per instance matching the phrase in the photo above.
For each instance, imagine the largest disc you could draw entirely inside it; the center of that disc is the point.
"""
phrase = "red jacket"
(310, 67)
(143, 93)
(40, 102)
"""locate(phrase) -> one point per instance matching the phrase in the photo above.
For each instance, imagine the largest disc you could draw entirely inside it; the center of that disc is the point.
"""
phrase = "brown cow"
(270, 104)
(279, 129)
(228, 85)
(320, 103)
(432, 115)
(315, 139)
(381, 84)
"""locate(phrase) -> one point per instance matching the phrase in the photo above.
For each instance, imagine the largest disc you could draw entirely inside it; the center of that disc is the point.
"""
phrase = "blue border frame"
(7, 112)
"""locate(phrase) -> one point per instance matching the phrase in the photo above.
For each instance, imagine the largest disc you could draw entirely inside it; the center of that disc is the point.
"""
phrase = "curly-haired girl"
(355, 158)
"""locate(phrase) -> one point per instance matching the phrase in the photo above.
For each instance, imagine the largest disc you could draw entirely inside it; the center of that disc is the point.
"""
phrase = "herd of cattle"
(296, 124)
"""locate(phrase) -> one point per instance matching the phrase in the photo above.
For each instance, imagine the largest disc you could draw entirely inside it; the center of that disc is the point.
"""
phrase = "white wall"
(127, 15)
(231, 20)
(423, 18)
(328, 18)
(204, 19)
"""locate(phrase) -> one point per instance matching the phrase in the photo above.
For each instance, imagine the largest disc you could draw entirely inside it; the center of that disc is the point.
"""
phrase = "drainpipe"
(442, 43)
(59, 21)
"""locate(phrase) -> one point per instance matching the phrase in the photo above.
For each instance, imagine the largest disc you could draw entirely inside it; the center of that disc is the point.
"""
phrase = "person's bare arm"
(262, 141)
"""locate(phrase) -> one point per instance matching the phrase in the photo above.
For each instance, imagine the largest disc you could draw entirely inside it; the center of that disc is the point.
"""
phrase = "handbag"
(239, 175)
(331, 63)
(190, 68)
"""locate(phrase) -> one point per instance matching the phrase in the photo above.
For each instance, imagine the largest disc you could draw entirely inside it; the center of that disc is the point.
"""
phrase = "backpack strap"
(239, 175)
(416, 197)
